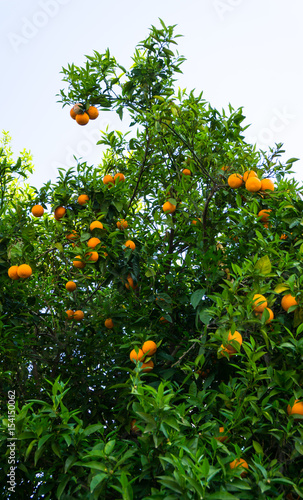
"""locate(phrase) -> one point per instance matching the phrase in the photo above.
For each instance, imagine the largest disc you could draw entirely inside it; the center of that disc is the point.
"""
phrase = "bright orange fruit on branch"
(119, 176)
(82, 119)
(92, 112)
(239, 462)
(59, 213)
(108, 179)
(259, 303)
(109, 323)
(235, 180)
(186, 171)
(236, 336)
(130, 283)
(78, 263)
(24, 271)
(93, 242)
(72, 236)
(122, 224)
(13, 273)
(136, 357)
(96, 224)
(147, 367)
(149, 347)
(37, 210)
(253, 184)
(267, 184)
(288, 301)
(297, 408)
(69, 313)
(78, 315)
(249, 173)
(264, 214)
(83, 198)
(169, 207)
(222, 437)
(93, 256)
(70, 286)
(270, 312)
(130, 244)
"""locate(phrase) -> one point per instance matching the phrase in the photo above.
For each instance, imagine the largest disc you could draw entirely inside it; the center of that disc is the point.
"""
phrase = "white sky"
(244, 52)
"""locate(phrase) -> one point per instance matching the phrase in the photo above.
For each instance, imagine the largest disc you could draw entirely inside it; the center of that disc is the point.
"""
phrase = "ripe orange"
(96, 224)
(264, 214)
(83, 198)
(130, 283)
(163, 320)
(109, 323)
(267, 184)
(194, 222)
(288, 301)
(72, 236)
(235, 180)
(149, 347)
(120, 177)
(147, 367)
(249, 173)
(70, 314)
(78, 262)
(271, 315)
(236, 336)
(239, 462)
(108, 179)
(168, 207)
(259, 303)
(92, 112)
(253, 184)
(72, 113)
(59, 213)
(70, 286)
(78, 108)
(13, 273)
(186, 171)
(225, 168)
(136, 357)
(37, 210)
(221, 438)
(122, 224)
(93, 242)
(228, 352)
(129, 244)
(24, 271)
(78, 315)
(93, 256)
(82, 119)
(296, 409)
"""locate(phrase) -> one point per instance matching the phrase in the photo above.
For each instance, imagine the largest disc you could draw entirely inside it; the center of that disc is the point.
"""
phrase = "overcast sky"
(244, 52)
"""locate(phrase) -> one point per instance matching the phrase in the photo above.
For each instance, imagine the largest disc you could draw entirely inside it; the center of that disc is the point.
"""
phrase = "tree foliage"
(90, 423)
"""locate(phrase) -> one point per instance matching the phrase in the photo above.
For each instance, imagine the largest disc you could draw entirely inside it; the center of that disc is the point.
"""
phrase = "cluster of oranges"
(16, 272)
(110, 181)
(82, 115)
(76, 315)
(251, 180)
(148, 349)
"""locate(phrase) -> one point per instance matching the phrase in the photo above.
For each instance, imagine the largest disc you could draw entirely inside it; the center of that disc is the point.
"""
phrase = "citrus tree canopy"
(151, 306)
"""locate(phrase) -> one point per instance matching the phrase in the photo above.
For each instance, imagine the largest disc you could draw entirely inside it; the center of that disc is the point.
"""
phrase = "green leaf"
(62, 486)
(196, 297)
(109, 447)
(92, 428)
(221, 495)
(264, 265)
(97, 479)
(258, 447)
(281, 287)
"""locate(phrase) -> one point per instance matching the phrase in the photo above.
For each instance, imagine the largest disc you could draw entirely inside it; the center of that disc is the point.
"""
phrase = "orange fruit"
(147, 367)
(267, 184)
(104, 253)
(239, 462)
(249, 173)
(288, 301)
(266, 225)
(236, 336)
(130, 283)
(70, 286)
(69, 313)
(119, 176)
(78, 315)
(221, 438)
(163, 320)
(78, 263)
(93, 256)
(235, 180)
(37, 210)
(136, 357)
(72, 113)
(72, 236)
(93, 242)
(82, 119)
(260, 303)
(78, 109)
(225, 168)
(283, 237)
(297, 408)
(129, 244)
(108, 179)
(194, 222)
(168, 207)
(24, 271)
(92, 112)
(96, 224)
(186, 171)
(83, 198)
(253, 184)
(13, 273)
(271, 315)
(109, 323)
(264, 214)
(149, 347)
(59, 213)
(122, 224)
(224, 349)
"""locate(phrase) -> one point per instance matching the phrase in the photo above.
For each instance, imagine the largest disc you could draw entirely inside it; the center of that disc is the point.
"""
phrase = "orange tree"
(170, 366)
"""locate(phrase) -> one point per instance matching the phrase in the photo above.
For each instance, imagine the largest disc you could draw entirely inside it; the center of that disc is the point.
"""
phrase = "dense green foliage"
(76, 390)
